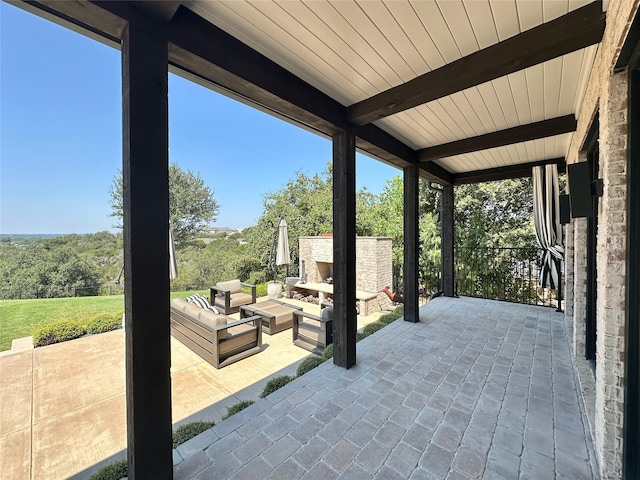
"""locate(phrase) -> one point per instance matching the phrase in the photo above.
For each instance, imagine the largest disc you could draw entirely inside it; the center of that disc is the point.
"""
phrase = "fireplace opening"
(325, 272)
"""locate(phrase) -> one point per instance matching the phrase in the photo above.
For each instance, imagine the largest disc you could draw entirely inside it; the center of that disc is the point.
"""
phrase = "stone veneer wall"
(606, 93)
(373, 262)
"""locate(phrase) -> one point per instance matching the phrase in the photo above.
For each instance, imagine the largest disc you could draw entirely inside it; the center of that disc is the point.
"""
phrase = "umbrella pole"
(273, 253)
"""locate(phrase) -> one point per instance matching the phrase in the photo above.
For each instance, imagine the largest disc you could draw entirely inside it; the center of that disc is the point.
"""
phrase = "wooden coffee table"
(276, 315)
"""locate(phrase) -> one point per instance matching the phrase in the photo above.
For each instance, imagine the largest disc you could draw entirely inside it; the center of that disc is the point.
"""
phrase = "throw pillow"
(214, 310)
(199, 300)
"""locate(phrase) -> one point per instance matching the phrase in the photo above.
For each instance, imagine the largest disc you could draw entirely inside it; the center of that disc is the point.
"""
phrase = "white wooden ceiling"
(352, 50)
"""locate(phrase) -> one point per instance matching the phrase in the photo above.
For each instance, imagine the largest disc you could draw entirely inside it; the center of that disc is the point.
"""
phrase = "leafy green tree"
(495, 214)
(200, 265)
(72, 265)
(306, 203)
(192, 205)
(46, 270)
(490, 217)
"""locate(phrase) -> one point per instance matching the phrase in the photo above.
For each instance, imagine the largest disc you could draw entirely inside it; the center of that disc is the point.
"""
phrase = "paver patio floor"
(476, 389)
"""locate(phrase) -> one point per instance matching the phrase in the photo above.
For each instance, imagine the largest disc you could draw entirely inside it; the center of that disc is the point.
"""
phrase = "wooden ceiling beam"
(435, 173)
(86, 18)
(161, 10)
(575, 30)
(503, 173)
(509, 136)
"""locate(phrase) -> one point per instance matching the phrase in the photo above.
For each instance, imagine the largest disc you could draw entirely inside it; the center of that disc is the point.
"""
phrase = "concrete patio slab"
(15, 454)
(15, 392)
(82, 372)
(85, 436)
(64, 408)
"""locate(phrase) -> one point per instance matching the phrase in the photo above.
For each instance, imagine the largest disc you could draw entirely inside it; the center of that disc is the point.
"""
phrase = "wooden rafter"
(575, 30)
(522, 133)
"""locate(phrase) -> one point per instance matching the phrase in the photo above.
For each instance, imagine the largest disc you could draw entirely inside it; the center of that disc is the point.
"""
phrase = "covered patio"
(451, 92)
(476, 389)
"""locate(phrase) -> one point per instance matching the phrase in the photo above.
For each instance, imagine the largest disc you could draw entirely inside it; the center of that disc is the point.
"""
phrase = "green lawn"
(19, 318)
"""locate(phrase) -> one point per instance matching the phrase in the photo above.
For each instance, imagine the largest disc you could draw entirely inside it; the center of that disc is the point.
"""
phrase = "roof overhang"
(464, 90)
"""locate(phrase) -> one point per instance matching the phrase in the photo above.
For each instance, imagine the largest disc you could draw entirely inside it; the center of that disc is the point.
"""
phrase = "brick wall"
(607, 94)
(569, 274)
(611, 264)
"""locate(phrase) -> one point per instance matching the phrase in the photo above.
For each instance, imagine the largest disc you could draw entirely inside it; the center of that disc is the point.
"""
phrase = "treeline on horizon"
(496, 214)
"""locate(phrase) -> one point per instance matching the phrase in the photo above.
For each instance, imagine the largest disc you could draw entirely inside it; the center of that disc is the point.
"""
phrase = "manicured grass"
(19, 318)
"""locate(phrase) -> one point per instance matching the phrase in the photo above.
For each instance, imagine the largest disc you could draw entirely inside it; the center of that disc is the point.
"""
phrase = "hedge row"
(64, 330)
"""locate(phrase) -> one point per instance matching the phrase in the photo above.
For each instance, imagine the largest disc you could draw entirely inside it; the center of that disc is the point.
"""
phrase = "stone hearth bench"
(368, 300)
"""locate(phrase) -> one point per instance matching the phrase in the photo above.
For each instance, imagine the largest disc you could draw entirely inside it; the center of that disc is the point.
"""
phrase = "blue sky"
(60, 136)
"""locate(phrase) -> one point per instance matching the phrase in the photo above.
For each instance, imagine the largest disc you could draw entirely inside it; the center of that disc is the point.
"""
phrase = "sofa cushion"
(233, 286)
(311, 331)
(192, 311)
(238, 299)
(179, 304)
(283, 313)
(207, 316)
(240, 337)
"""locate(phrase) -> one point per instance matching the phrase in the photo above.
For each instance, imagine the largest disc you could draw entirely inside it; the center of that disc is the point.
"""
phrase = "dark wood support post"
(146, 248)
(411, 244)
(447, 241)
(344, 249)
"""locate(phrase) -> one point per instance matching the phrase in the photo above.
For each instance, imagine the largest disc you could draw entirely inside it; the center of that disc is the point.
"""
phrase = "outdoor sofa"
(216, 338)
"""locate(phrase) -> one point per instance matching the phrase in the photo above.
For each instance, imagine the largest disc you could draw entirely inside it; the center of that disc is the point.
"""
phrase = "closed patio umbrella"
(283, 256)
(546, 215)
(173, 265)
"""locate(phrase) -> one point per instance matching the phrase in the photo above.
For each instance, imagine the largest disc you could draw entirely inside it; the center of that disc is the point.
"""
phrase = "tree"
(48, 269)
(306, 203)
(192, 205)
(495, 214)
(495, 238)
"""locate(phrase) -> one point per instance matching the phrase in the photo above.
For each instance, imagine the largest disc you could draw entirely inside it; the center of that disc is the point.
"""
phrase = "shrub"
(387, 318)
(373, 327)
(261, 290)
(113, 471)
(105, 322)
(327, 353)
(189, 430)
(360, 336)
(56, 332)
(237, 407)
(308, 364)
(275, 383)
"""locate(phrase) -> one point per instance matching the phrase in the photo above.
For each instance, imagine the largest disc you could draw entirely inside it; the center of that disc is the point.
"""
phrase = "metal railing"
(506, 274)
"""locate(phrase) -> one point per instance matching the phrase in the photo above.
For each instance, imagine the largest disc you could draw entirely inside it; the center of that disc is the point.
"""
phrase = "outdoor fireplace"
(373, 269)
(325, 272)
